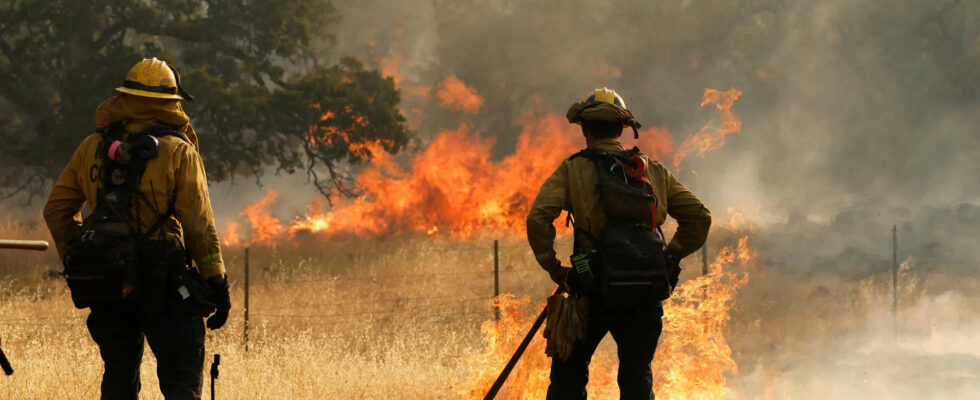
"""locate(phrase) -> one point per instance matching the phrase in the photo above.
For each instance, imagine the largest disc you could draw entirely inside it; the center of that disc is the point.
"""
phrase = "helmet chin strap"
(180, 88)
(636, 126)
(633, 123)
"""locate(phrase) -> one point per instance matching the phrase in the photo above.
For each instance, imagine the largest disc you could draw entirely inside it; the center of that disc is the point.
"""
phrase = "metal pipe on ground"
(39, 245)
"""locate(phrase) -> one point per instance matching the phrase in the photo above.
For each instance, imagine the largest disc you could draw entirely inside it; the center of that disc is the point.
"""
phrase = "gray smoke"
(857, 115)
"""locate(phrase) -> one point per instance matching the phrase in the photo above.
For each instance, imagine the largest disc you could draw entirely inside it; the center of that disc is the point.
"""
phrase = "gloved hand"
(222, 301)
(558, 275)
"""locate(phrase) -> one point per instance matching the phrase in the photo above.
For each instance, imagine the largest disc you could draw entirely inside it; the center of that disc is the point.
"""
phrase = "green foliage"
(253, 65)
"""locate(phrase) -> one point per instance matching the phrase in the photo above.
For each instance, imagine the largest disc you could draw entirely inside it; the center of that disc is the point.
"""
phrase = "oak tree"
(268, 95)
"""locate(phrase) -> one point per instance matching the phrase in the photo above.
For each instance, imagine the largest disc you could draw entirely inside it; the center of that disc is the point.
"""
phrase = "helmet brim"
(144, 93)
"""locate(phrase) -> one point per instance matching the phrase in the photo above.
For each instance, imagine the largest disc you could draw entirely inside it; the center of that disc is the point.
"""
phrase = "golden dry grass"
(398, 318)
(383, 319)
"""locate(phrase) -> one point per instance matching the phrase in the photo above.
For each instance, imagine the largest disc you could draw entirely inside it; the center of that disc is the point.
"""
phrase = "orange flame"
(692, 357)
(529, 380)
(453, 187)
(710, 138)
(230, 236)
(263, 226)
(391, 66)
(455, 95)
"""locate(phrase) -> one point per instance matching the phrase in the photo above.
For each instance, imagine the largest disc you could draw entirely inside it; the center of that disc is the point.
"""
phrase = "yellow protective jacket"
(175, 177)
(572, 188)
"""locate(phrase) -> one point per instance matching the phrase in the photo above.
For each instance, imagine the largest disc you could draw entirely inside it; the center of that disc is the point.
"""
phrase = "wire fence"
(394, 294)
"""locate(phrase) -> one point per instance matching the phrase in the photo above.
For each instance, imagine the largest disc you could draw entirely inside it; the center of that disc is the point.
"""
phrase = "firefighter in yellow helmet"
(146, 260)
(622, 266)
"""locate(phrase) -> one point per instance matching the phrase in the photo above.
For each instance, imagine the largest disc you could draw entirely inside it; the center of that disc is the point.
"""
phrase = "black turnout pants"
(176, 340)
(636, 331)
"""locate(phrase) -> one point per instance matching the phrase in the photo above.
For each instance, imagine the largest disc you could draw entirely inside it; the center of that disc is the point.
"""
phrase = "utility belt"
(626, 267)
(151, 275)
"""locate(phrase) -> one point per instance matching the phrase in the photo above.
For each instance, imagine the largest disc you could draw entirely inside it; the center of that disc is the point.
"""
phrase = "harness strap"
(113, 133)
(623, 157)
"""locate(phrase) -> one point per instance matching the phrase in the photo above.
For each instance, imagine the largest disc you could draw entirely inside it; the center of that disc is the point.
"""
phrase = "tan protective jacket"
(572, 187)
(176, 176)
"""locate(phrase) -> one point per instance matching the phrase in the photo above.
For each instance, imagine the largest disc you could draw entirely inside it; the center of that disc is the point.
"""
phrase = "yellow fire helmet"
(606, 95)
(603, 105)
(155, 79)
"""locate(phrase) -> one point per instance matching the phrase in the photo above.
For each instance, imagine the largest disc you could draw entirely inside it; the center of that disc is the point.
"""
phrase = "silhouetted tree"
(262, 88)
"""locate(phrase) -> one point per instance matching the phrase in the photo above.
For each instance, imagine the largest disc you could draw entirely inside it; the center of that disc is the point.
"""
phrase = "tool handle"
(39, 245)
(214, 372)
(499, 383)
(214, 366)
(7, 369)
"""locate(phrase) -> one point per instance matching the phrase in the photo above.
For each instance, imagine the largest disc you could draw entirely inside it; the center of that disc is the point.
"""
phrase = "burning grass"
(453, 187)
(410, 317)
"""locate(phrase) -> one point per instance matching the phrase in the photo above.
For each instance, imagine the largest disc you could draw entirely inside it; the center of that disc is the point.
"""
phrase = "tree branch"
(20, 97)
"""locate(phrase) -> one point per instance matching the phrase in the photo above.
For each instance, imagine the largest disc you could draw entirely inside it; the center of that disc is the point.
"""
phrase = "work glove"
(554, 330)
(558, 275)
(576, 313)
(554, 309)
(222, 301)
(567, 324)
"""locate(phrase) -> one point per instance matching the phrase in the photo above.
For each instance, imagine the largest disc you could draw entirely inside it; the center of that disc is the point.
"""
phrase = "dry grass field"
(401, 318)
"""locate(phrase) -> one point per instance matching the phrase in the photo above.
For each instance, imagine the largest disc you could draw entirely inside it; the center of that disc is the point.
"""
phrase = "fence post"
(895, 275)
(704, 259)
(245, 326)
(496, 277)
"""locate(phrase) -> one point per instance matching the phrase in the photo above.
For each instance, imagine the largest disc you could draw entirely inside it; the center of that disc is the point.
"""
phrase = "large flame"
(711, 137)
(264, 226)
(692, 358)
(453, 187)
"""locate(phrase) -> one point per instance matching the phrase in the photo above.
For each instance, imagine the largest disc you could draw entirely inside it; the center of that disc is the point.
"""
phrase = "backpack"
(628, 260)
(103, 262)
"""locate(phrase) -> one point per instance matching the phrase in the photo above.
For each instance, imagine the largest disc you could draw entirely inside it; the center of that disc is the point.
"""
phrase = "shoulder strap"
(591, 154)
(162, 130)
(596, 155)
(110, 134)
